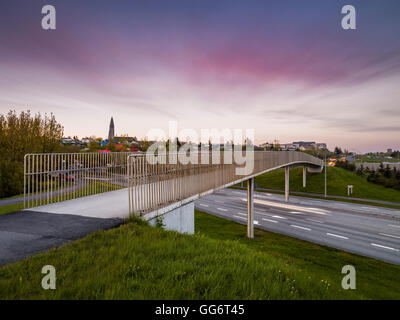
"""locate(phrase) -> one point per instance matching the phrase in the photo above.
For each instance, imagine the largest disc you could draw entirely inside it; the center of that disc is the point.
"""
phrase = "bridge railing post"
(250, 208)
(287, 170)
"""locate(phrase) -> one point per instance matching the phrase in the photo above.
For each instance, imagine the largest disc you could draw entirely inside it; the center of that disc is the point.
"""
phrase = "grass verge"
(11, 208)
(136, 261)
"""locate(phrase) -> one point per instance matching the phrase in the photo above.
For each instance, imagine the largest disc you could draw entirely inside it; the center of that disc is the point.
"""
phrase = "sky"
(286, 69)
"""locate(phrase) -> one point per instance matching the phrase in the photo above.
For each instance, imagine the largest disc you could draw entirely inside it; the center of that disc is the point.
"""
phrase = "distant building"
(266, 146)
(299, 144)
(389, 151)
(307, 148)
(309, 145)
(111, 132)
(322, 146)
(288, 147)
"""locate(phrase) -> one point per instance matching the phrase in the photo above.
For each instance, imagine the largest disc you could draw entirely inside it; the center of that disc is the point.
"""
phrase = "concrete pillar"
(286, 184)
(250, 208)
(180, 219)
(304, 176)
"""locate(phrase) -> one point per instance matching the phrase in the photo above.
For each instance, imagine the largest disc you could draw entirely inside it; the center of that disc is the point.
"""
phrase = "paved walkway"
(106, 205)
(25, 233)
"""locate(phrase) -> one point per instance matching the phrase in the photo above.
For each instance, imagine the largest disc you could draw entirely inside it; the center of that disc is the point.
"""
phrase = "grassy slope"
(11, 208)
(136, 261)
(337, 178)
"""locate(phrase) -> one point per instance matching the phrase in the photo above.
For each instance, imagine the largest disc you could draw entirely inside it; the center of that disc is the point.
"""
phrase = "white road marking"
(299, 227)
(222, 209)
(296, 212)
(243, 214)
(389, 235)
(255, 222)
(264, 214)
(287, 206)
(314, 220)
(239, 217)
(392, 225)
(269, 220)
(204, 205)
(384, 247)
(335, 235)
(319, 209)
(279, 217)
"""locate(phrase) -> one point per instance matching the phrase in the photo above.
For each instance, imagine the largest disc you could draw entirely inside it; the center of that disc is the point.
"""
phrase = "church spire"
(111, 133)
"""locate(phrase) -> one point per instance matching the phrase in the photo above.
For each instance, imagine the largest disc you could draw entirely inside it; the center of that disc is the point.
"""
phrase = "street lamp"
(325, 171)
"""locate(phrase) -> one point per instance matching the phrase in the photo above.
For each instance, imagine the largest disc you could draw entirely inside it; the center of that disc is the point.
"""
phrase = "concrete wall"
(180, 219)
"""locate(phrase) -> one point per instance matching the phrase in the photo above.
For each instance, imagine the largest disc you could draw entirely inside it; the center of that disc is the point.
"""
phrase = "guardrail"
(55, 177)
(155, 181)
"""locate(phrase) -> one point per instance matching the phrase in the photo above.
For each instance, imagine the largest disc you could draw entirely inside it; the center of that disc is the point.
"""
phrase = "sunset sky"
(283, 68)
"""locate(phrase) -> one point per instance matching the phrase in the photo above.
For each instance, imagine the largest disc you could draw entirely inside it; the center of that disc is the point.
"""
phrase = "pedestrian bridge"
(112, 185)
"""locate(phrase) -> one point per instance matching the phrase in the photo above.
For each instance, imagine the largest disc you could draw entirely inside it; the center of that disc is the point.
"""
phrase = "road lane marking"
(204, 205)
(279, 217)
(239, 217)
(287, 206)
(243, 214)
(319, 209)
(296, 212)
(299, 227)
(314, 220)
(222, 209)
(264, 214)
(336, 235)
(384, 247)
(269, 220)
(392, 225)
(389, 235)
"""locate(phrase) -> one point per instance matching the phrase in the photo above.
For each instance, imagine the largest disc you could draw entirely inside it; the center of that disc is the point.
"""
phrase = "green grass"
(136, 261)
(11, 208)
(337, 181)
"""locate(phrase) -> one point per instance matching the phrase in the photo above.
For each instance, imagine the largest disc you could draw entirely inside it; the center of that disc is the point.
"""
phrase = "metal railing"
(55, 177)
(155, 182)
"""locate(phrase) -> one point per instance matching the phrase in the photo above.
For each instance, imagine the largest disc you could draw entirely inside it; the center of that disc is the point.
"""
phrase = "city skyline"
(285, 69)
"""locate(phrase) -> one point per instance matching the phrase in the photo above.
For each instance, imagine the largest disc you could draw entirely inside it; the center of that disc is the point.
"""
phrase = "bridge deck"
(113, 204)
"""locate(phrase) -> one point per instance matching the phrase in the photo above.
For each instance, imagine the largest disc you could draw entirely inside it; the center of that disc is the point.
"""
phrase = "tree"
(387, 172)
(338, 150)
(19, 135)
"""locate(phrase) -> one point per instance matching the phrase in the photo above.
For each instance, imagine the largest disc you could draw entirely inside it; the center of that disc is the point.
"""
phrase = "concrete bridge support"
(180, 219)
(304, 177)
(250, 208)
(287, 184)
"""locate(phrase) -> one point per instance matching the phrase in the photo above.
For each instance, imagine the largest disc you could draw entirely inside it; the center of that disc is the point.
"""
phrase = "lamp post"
(325, 172)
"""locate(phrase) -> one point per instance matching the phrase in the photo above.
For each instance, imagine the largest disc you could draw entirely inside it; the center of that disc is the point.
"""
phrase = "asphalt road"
(365, 230)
